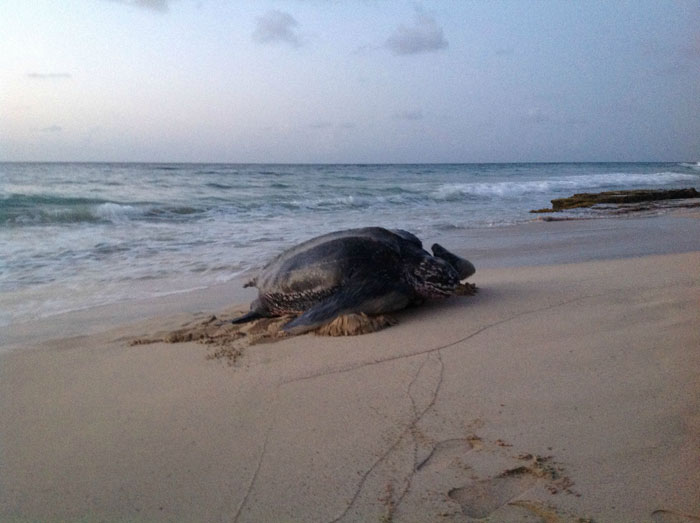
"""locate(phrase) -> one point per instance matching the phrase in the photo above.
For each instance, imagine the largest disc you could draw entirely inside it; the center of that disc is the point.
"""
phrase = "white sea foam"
(506, 189)
(105, 233)
(115, 212)
(695, 165)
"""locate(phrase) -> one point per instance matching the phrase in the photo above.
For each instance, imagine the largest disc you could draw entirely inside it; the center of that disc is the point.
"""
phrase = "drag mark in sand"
(355, 366)
(417, 417)
(476, 500)
(444, 452)
(254, 478)
(410, 429)
(438, 368)
(392, 504)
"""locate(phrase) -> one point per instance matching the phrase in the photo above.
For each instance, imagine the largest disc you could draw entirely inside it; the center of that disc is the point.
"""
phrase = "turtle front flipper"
(374, 298)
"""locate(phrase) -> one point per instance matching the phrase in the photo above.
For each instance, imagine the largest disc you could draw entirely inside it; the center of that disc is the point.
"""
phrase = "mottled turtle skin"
(369, 270)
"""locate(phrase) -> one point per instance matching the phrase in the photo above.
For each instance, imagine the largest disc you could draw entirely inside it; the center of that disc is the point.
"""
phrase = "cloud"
(425, 36)
(276, 26)
(51, 129)
(49, 76)
(155, 5)
(409, 115)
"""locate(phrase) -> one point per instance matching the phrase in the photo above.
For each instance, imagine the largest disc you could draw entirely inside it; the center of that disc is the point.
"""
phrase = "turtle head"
(463, 267)
(432, 277)
(439, 275)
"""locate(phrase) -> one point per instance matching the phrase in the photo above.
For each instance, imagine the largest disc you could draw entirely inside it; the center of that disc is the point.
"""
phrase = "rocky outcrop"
(618, 197)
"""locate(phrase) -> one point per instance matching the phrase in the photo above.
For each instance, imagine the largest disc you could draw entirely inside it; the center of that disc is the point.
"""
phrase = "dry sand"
(556, 393)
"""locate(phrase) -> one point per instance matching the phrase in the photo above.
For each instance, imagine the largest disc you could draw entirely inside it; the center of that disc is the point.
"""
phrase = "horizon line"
(154, 162)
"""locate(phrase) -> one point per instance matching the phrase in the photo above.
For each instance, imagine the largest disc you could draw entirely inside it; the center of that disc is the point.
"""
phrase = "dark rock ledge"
(620, 198)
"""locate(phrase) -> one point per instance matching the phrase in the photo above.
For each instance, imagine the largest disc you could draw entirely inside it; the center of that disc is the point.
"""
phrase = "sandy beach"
(567, 389)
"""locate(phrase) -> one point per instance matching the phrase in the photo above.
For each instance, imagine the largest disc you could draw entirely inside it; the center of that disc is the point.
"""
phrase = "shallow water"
(74, 236)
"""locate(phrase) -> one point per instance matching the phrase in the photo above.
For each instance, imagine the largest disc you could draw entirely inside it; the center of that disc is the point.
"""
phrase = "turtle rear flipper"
(257, 310)
(248, 316)
(374, 298)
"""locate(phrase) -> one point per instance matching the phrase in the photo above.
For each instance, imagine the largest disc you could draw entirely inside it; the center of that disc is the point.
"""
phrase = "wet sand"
(560, 392)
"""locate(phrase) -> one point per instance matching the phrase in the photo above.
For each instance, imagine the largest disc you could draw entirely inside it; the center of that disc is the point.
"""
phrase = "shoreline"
(560, 391)
(533, 243)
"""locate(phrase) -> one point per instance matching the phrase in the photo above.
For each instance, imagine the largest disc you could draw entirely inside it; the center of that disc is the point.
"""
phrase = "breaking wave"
(75, 235)
(20, 210)
(516, 189)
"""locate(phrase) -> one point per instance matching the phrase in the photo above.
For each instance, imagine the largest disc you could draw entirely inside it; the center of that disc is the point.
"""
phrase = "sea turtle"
(371, 270)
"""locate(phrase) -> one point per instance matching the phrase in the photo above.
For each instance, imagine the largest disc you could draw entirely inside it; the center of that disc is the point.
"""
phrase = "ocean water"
(75, 236)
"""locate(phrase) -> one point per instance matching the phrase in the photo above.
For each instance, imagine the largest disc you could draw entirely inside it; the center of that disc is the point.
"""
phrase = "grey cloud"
(276, 26)
(424, 36)
(51, 129)
(49, 76)
(156, 5)
(409, 115)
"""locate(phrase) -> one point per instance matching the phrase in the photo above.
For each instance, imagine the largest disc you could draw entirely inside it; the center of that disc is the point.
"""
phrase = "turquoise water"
(79, 235)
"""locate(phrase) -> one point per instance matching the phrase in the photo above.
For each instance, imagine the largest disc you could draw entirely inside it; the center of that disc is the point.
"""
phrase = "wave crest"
(514, 189)
(24, 210)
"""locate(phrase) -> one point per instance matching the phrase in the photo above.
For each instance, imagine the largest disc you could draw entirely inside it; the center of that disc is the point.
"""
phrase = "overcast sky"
(349, 81)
